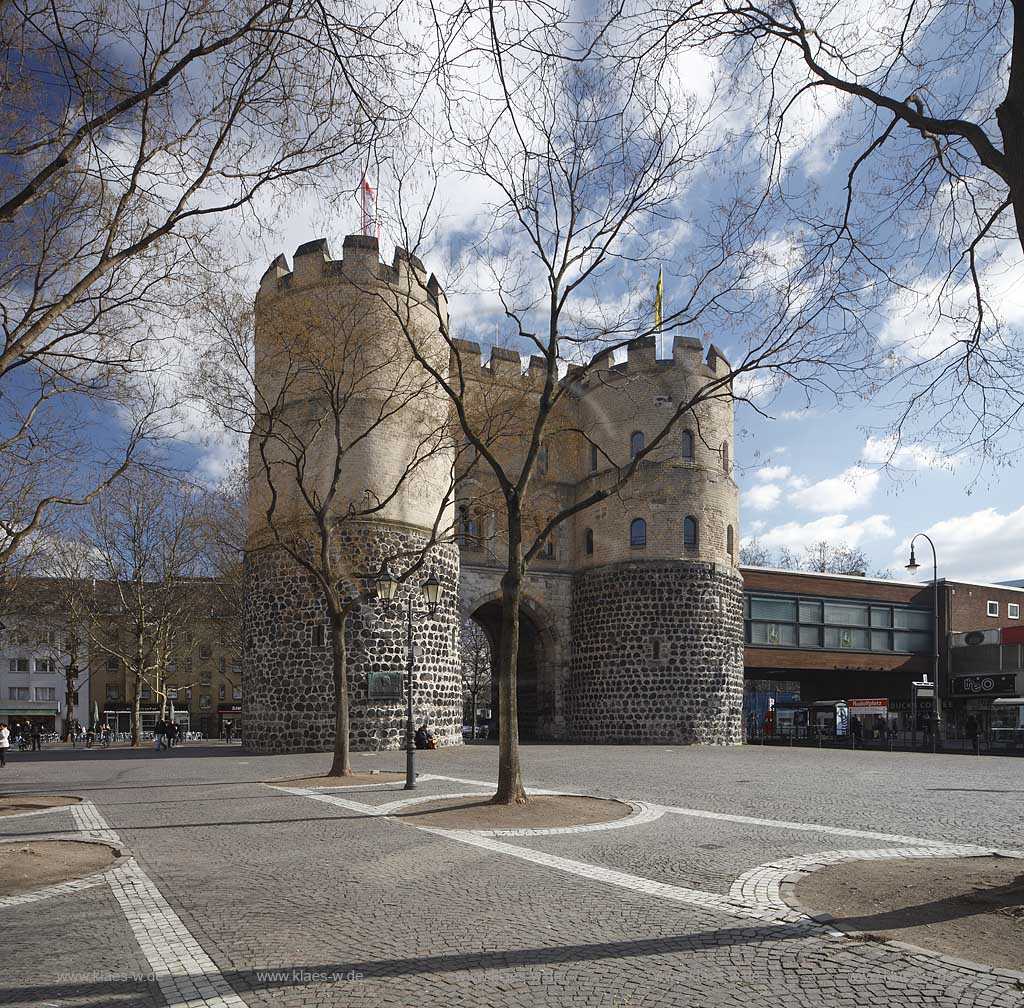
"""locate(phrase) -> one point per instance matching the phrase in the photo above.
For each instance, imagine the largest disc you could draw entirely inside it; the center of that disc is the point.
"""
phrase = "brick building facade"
(844, 637)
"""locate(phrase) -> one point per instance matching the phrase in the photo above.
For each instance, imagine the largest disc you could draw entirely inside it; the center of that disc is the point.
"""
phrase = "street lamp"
(913, 566)
(387, 589)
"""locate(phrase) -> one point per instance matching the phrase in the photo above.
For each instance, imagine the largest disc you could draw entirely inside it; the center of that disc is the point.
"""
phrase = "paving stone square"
(236, 888)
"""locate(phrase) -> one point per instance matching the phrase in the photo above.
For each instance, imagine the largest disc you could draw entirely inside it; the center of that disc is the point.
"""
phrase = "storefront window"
(912, 642)
(912, 619)
(791, 621)
(840, 613)
(846, 637)
(810, 612)
(773, 609)
(779, 634)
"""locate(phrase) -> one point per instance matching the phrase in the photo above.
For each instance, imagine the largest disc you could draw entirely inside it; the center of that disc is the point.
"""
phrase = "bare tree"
(915, 203)
(584, 147)
(221, 521)
(821, 557)
(144, 544)
(127, 132)
(476, 667)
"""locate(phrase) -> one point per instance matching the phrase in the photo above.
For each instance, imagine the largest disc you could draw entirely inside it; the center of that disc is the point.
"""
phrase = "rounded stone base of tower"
(657, 654)
(287, 670)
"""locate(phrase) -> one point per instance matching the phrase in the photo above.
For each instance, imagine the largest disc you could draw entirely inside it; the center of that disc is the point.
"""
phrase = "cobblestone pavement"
(233, 892)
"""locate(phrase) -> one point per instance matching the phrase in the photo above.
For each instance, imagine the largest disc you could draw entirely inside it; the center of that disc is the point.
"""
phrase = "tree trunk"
(472, 700)
(342, 766)
(137, 712)
(1010, 117)
(510, 780)
(69, 718)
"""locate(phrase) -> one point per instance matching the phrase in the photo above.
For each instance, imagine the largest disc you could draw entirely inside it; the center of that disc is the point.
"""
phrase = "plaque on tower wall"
(384, 685)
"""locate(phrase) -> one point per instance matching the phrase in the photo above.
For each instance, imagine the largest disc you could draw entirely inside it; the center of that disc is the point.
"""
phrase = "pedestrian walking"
(172, 733)
(158, 733)
(229, 732)
(37, 738)
(974, 733)
(5, 744)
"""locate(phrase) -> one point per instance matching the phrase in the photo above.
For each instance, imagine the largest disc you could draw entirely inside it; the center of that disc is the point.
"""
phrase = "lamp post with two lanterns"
(914, 566)
(387, 588)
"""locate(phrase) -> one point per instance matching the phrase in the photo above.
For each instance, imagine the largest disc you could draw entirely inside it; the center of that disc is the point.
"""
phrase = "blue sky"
(820, 473)
(806, 473)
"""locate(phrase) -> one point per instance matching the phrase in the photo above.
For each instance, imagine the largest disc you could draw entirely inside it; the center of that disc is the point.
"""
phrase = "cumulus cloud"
(772, 474)
(835, 528)
(762, 496)
(852, 488)
(984, 545)
(889, 451)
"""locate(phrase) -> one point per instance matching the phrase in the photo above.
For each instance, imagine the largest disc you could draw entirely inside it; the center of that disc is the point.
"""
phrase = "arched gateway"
(536, 676)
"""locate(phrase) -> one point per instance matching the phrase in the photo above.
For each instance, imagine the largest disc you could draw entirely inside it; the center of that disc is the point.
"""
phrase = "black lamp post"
(387, 588)
(913, 566)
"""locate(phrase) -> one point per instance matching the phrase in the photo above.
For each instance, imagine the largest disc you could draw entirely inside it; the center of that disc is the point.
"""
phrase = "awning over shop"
(28, 712)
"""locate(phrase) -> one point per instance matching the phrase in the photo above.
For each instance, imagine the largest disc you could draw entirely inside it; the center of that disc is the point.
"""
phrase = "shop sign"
(973, 684)
(975, 637)
(871, 706)
(384, 685)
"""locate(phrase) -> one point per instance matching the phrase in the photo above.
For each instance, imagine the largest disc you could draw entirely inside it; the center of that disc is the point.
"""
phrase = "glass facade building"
(829, 624)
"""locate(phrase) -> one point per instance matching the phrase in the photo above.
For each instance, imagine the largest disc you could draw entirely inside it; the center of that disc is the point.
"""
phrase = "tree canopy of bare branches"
(893, 135)
(584, 141)
(128, 133)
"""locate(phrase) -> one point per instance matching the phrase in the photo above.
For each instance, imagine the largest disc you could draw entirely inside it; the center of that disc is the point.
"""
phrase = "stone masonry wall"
(288, 684)
(657, 654)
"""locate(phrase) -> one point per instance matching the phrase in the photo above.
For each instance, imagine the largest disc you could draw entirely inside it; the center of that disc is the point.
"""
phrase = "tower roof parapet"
(360, 264)
(641, 357)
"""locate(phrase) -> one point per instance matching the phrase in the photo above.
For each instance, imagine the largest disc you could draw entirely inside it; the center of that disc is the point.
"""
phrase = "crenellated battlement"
(684, 354)
(641, 359)
(359, 268)
(502, 366)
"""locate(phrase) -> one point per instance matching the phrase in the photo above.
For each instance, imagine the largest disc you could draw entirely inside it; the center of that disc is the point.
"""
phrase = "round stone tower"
(333, 363)
(657, 606)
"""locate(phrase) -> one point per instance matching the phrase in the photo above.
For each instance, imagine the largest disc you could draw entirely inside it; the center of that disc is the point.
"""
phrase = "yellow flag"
(657, 301)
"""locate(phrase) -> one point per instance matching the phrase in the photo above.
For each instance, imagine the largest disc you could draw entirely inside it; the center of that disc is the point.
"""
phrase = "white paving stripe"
(760, 886)
(806, 827)
(642, 813)
(89, 821)
(186, 975)
(401, 803)
(58, 889)
(623, 880)
(329, 799)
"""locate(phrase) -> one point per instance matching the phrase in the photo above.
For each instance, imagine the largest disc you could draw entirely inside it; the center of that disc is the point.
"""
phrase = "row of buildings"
(50, 627)
(816, 637)
(808, 637)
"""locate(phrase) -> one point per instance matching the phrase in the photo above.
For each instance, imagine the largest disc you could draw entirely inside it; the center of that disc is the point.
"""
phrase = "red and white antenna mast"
(368, 203)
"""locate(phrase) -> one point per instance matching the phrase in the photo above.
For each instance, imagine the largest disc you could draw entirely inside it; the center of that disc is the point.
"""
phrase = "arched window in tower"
(636, 443)
(725, 456)
(542, 460)
(638, 532)
(466, 532)
(689, 531)
(593, 458)
(588, 542)
(687, 446)
(729, 543)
